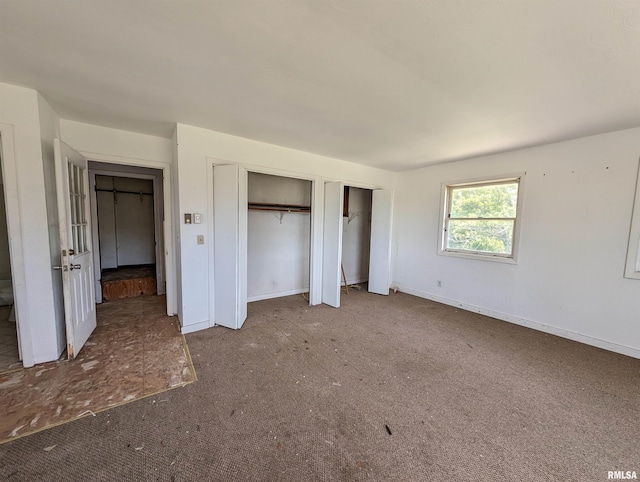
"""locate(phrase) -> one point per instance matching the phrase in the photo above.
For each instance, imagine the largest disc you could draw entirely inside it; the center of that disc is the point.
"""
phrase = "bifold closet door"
(230, 187)
(380, 252)
(332, 243)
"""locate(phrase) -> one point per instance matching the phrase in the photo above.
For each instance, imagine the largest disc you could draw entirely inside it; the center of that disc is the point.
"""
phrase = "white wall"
(196, 150)
(33, 286)
(356, 236)
(278, 242)
(89, 139)
(106, 221)
(578, 198)
(50, 130)
(126, 227)
(265, 188)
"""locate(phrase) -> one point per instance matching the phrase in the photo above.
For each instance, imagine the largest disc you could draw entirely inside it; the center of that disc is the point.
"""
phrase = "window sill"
(632, 275)
(480, 257)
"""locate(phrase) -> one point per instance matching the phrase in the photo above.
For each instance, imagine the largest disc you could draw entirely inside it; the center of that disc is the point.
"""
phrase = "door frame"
(16, 250)
(158, 214)
(168, 236)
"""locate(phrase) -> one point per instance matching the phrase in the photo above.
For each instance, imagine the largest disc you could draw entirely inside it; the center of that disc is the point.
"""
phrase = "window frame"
(632, 262)
(445, 208)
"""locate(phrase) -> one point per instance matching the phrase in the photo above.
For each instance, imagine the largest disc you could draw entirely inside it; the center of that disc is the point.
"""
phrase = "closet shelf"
(283, 208)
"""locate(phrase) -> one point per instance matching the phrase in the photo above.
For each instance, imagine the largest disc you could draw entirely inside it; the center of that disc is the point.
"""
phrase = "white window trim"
(444, 201)
(632, 265)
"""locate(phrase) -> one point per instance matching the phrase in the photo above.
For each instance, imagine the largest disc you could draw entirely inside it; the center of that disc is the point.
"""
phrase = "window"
(481, 218)
(79, 239)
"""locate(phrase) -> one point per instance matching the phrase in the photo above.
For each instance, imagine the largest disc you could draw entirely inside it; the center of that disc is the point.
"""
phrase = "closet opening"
(279, 232)
(356, 239)
(127, 212)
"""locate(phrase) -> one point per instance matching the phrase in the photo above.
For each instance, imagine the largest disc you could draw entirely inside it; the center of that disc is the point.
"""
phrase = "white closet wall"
(125, 221)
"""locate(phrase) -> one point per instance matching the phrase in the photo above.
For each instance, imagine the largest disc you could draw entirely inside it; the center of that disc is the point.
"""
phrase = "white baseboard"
(203, 325)
(277, 294)
(553, 330)
(355, 281)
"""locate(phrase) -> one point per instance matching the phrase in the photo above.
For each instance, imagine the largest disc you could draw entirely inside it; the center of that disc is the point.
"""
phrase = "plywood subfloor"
(128, 282)
(135, 351)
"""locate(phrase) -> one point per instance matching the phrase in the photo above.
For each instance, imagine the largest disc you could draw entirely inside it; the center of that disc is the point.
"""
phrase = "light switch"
(187, 218)
(197, 218)
(200, 238)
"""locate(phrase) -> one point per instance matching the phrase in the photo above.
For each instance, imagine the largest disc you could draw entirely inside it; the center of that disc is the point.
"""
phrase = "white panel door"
(380, 253)
(72, 186)
(230, 187)
(332, 243)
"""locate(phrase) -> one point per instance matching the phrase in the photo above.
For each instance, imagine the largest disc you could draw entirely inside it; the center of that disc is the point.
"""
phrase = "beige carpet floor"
(135, 351)
(385, 388)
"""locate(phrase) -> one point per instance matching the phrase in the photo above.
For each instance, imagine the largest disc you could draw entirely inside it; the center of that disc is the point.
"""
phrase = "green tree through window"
(481, 217)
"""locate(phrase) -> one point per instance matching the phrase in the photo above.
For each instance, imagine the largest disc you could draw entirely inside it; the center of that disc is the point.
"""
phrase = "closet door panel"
(380, 257)
(135, 229)
(230, 186)
(107, 230)
(332, 243)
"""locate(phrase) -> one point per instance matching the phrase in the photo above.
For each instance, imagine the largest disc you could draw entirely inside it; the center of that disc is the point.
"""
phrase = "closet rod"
(125, 192)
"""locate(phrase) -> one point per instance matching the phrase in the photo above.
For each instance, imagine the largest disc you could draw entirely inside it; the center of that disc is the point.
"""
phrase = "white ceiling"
(391, 84)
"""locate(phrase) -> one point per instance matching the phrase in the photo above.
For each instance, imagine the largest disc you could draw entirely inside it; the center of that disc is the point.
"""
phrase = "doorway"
(356, 237)
(127, 211)
(379, 240)
(275, 197)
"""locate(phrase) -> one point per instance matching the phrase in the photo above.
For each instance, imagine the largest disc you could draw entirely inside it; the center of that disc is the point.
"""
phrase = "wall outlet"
(200, 238)
(439, 284)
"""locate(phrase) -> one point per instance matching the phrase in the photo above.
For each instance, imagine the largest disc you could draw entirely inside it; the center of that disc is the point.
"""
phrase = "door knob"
(63, 268)
(75, 266)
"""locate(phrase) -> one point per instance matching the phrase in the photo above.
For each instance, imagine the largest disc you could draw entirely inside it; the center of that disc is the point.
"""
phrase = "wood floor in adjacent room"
(384, 388)
(135, 351)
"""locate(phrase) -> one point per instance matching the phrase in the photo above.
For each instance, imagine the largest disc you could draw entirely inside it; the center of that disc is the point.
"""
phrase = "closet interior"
(279, 228)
